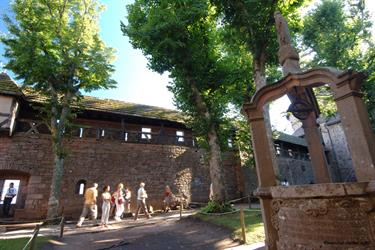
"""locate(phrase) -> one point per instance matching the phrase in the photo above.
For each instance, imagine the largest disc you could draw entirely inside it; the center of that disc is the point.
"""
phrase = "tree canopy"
(337, 34)
(54, 47)
(184, 38)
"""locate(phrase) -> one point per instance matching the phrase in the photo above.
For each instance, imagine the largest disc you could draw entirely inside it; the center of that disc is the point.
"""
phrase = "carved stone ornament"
(300, 109)
(314, 208)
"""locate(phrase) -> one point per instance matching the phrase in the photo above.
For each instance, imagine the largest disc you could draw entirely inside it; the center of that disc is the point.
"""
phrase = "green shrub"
(215, 207)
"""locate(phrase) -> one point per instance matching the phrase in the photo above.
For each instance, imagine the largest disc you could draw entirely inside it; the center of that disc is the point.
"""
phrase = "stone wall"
(335, 141)
(107, 162)
(295, 171)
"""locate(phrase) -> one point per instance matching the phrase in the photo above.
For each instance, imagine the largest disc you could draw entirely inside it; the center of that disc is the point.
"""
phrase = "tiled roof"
(290, 139)
(116, 107)
(8, 86)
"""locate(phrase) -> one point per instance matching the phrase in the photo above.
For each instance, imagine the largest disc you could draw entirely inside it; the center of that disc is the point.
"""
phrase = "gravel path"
(158, 233)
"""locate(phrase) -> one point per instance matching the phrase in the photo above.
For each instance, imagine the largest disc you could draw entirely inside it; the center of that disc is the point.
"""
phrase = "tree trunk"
(57, 131)
(54, 197)
(259, 68)
(216, 167)
(215, 160)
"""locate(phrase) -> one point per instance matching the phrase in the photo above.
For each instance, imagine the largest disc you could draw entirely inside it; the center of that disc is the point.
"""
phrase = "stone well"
(325, 216)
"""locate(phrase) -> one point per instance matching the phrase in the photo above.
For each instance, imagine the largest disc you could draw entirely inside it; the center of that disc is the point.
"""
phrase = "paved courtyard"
(163, 231)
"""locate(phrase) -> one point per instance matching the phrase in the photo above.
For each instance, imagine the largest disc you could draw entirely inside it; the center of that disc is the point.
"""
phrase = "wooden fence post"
(62, 224)
(242, 219)
(32, 240)
(181, 206)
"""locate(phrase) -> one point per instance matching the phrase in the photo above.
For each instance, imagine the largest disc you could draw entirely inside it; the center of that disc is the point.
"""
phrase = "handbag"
(120, 201)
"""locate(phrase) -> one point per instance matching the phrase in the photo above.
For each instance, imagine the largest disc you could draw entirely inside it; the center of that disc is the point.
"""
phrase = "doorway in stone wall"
(20, 181)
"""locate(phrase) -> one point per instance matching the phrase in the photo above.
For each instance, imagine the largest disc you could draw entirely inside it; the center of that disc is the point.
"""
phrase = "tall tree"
(252, 22)
(54, 47)
(181, 37)
(337, 33)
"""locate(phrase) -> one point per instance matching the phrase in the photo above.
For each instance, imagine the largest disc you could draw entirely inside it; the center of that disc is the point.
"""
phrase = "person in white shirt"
(106, 206)
(9, 195)
(128, 196)
(141, 201)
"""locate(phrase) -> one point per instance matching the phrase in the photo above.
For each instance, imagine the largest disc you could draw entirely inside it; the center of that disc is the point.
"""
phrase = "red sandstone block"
(35, 179)
(35, 196)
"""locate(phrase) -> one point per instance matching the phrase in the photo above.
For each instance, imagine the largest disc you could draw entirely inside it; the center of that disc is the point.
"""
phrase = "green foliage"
(54, 47)
(255, 26)
(338, 35)
(253, 223)
(19, 243)
(243, 142)
(337, 31)
(183, 38)
(217, 207)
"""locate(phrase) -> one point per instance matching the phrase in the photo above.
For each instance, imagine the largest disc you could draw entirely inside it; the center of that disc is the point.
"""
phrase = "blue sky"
(136, 83)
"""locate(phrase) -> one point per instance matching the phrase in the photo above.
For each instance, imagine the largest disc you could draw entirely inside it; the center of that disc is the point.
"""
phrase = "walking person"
(141, 201)
(9, 195)
(128, 196)
(106, 206)
(89, 207)
(119, 201)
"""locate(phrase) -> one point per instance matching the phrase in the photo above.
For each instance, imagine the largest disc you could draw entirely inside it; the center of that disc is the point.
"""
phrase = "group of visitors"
(118, 201)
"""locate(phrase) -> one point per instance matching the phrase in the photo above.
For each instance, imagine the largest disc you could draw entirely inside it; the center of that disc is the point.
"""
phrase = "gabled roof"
(290, 139)
(8, 86)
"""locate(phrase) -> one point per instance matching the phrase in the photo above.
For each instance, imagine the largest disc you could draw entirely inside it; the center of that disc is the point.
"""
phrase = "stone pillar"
(265, 171)
(356, 124)
(316, 149)
(289, 60)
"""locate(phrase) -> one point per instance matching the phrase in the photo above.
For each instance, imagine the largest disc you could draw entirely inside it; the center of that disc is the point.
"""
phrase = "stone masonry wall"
(106, 162)
(335, 141)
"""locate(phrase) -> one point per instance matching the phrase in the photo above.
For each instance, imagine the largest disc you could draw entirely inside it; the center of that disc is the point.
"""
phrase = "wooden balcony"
(39, 127)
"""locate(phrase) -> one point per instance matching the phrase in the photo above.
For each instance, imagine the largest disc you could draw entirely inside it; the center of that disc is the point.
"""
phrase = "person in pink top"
(119, 201)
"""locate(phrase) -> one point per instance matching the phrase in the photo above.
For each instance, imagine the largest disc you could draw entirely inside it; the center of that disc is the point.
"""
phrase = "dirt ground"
(156, 233)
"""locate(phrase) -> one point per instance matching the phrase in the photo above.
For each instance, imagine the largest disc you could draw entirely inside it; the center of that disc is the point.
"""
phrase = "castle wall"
(109, 162)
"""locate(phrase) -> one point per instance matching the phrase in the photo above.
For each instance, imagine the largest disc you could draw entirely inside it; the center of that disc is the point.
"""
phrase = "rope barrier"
(29, 221)
(249, 196)
(231, 201)
(32, 239)
(231, 212)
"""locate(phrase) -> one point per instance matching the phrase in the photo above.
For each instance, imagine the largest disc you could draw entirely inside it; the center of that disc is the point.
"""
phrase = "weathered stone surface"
(107, 162)
(341, 222)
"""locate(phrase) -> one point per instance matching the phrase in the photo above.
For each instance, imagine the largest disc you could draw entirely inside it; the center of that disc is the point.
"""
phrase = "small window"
(146, 133)
(102, 134)
(230, 143)
(180, 136)
(126, 136)
(80, 132)
(80, 187)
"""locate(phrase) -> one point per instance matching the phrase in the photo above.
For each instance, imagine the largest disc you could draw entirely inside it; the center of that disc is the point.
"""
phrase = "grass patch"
(253, 223)
(19, 243)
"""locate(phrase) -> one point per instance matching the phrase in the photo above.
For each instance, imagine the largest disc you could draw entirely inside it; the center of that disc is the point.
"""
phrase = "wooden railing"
(37, 127)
